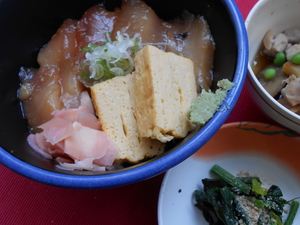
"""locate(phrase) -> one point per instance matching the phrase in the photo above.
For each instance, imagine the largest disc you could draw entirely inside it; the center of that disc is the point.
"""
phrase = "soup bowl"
(278, 16)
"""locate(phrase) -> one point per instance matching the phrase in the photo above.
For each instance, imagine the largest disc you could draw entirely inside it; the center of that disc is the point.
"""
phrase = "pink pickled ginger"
(74, 138)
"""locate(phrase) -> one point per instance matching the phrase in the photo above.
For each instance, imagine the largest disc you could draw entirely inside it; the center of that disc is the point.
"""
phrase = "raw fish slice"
(198, 45)
(62, 51)
(178, 32)
(93, 25)
(138, 18)
(71, 86)
(62, 46)
(44, 97)
(52, 79)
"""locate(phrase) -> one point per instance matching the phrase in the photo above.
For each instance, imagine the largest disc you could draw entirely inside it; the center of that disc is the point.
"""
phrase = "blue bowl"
(27, 26)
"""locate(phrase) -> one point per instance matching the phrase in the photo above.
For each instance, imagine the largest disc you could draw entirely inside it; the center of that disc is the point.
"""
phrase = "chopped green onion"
(85, 75)
(110, 59)
(88, 48)
(136, 45)
(230, 179)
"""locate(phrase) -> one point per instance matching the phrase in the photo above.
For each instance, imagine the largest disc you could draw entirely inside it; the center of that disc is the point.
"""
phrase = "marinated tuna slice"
(71, 86)
(55, 84)
(137, 18)
(43, 96)
(191, 38)
(62, 46)
(62, 52)
(94, 25)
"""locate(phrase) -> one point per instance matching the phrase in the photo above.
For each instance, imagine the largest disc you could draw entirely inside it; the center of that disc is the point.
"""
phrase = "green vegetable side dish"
(280, 59)
(230, 200)
(270, 73)
(105, 61)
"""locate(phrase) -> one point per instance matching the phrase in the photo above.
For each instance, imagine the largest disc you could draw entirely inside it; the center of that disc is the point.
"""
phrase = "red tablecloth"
(23, 201)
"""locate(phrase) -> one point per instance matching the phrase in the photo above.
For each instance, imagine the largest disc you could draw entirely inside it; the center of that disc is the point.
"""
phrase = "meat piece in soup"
(291, 92)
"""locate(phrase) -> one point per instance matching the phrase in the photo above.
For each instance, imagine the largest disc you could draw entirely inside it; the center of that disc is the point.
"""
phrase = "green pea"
(296, 58)
(280, 59)
(270, 73)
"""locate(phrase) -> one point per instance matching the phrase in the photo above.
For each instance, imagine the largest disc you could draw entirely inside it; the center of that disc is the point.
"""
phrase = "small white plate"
(239, 148)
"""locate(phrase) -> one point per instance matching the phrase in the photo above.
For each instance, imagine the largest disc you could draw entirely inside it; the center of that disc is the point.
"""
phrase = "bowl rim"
(164, 163)
(267, 98)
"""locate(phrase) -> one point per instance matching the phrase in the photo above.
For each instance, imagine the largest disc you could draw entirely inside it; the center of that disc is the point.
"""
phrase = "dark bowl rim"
(164, 163)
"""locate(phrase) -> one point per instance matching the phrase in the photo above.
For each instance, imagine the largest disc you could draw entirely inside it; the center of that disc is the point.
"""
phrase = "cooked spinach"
(230, 200)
